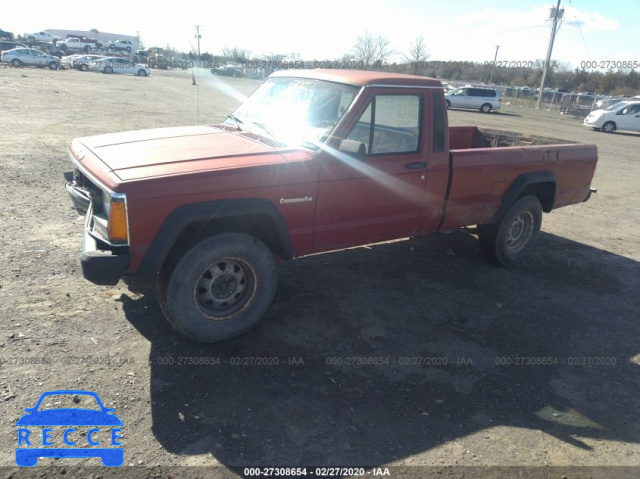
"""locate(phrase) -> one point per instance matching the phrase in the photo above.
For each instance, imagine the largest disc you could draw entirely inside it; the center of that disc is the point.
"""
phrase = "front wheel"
(609, 127)
(108, 69)
(53, 66)
(219, 288)
(142, 73)
(448, 104)
(509, 241)
(84, 67)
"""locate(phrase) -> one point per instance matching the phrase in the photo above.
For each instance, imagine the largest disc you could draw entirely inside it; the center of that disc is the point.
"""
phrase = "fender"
(519, 186)
(185, 215)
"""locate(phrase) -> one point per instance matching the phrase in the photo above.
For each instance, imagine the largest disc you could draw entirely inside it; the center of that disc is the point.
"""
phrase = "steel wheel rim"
(224, 287)
(520, 232)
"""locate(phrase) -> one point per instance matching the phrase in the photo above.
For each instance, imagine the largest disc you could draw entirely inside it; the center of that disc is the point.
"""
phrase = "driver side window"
(390, 124)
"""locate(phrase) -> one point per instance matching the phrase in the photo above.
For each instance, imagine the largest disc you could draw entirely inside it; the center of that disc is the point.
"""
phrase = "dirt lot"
(473, 401)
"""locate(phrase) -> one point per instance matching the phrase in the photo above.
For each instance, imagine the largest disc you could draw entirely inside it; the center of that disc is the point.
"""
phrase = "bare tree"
(372, 50)
(236, 54)
(417, 54)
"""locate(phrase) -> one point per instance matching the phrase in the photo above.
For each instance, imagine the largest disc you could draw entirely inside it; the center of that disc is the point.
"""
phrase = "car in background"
(29, 56)
(41, 37)
(120, 65)
(474, 98)
(624, 115)
(229, 71)
(69, 61)
(4, 45)
(120, 45)
(6, 35)
(85, 39)
(83, 62)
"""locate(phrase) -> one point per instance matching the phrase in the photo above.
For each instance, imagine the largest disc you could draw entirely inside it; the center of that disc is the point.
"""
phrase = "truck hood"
(139, 154)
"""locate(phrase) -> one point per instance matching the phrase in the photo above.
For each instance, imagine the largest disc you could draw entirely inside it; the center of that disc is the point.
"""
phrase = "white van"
(624, 115)
(475, 98)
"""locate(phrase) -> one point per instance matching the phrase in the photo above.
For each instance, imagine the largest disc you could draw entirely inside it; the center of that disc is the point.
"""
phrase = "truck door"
(378, 196)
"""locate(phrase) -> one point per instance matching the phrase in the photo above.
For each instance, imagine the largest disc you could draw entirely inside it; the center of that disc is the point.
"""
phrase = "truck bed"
(484, 163)
(467, 137)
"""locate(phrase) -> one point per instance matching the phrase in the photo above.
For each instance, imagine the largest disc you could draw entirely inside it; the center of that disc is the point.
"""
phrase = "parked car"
(29, 56)
(120, 65)
(229, 71)
(11, 45)
(83, 62)
(41, 37)
(69, 61)
(6, 35)
(474, 98)
(85, 39)
(300, 186)
(624, 115)
(76, 44)
(119, 45)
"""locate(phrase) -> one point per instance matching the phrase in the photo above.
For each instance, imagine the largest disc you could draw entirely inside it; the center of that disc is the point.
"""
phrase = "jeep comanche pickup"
(313, 160)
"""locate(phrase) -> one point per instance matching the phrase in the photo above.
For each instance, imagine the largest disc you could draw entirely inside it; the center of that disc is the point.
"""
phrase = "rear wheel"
(108, 69)
(16, 63)
(486, 108)
(142, 73)
(512, 238)
(84, 67)
(448, 104)
(609, 127)
(218, 288)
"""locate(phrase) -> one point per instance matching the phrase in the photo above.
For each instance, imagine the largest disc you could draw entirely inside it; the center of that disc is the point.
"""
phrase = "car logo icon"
(69, 418)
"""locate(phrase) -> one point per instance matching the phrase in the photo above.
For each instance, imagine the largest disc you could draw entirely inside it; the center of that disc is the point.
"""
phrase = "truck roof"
(361, 77)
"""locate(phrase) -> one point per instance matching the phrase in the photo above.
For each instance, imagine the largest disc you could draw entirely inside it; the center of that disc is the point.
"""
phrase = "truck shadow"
(374, 354)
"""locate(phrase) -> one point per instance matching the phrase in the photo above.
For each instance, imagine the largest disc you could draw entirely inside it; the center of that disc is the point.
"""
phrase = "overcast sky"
(461, 30)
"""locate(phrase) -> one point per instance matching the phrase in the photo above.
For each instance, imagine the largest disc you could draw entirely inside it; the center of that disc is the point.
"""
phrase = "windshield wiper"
(236, 120)
(264, 128)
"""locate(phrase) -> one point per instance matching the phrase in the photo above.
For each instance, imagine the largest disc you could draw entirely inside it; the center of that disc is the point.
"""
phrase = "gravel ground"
(417, 355)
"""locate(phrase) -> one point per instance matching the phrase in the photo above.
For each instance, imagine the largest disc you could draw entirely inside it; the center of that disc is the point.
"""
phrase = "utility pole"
(557, 14)
(198, 36)
(495, 58)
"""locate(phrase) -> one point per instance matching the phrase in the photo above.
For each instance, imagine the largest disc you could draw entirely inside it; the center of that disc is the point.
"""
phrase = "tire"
(87, 49)
(219, 288)
(108, 69)
(16, 63)
(53, 66)
(509, 241)
(142, 73)
(448, 104)
(609, 127)
(84, 67)
(486, 108)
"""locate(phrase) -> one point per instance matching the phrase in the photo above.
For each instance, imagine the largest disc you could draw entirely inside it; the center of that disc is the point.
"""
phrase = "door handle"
(415, 165)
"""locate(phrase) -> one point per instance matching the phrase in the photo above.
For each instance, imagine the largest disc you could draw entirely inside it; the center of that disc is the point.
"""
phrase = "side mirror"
(355, 149)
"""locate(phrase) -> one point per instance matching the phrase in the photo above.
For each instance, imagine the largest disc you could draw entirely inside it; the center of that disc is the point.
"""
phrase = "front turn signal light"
(117, 226)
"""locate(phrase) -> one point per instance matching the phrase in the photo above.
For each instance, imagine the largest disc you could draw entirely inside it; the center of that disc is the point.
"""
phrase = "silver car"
(28, 56)
(474, 98)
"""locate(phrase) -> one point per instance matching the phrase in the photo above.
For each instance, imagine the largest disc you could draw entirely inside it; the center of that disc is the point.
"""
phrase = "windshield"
(294, 111)
(615, 106)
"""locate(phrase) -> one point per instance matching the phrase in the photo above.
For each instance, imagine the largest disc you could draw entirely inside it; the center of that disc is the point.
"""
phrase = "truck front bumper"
(102, 266)
(101, 263)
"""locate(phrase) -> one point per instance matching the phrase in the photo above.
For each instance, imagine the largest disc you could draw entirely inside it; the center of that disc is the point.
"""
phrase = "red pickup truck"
(313, 160)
